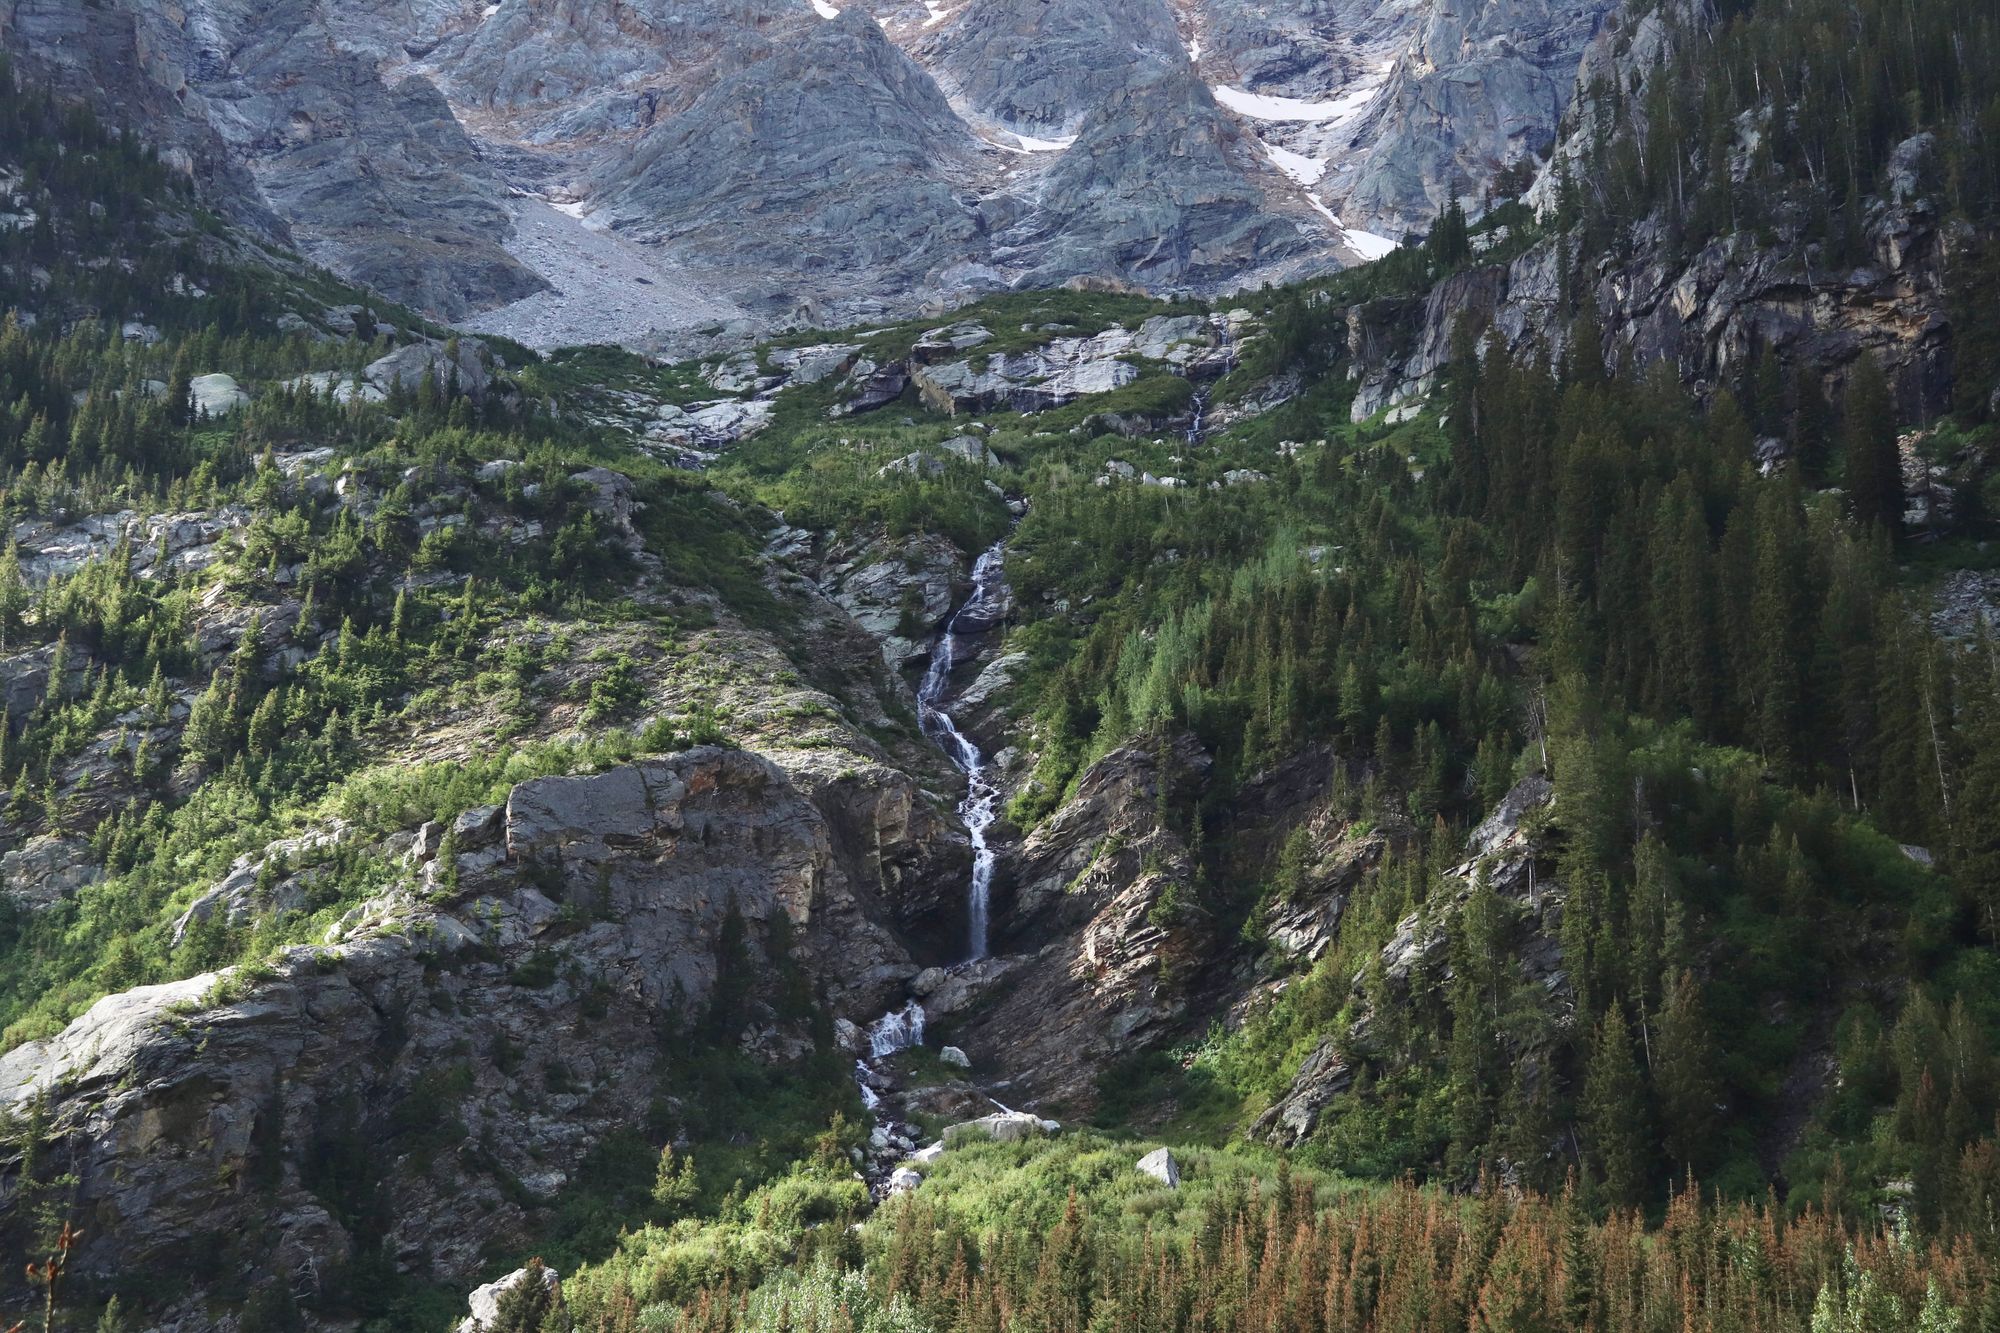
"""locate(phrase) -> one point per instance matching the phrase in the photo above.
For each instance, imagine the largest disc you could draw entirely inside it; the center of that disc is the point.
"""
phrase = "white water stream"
(981, 804)
(1198, 423)
(900, 1029)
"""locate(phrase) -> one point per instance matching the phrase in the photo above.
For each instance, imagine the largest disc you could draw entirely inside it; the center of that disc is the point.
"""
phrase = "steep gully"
(900, 1029)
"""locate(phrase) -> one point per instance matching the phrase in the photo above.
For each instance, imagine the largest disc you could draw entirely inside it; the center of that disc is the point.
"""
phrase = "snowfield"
(1262, 106)
(1366, 243)
(1305, 170)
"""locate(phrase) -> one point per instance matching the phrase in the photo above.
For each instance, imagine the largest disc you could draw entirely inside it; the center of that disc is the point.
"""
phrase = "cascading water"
(897, 1030)
(1198, 423)
(900, 1029)
(981, 804)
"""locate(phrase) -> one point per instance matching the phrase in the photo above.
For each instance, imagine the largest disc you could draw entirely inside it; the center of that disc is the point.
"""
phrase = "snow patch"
(1305, 170)
(488, 12)
(1194, 51)
(1031, 145)
(824, 10)
(937, 13)
(1366, 243)
(1262, 106)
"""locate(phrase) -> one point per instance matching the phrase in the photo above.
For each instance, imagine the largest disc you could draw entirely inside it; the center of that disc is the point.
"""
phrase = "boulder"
(810, 365)
(1161, 1166)
(606, 808)
(1002, 1127)
(217, 395)
(48, 869)
(477, 827)
(972, 449)
(874, 387)
(485, 1301)
(343, 388)
(408, 364)
(952, 1055)
(942, 344)
(917, 464)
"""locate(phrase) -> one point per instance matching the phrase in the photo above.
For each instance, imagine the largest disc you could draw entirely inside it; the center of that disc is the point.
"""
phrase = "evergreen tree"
(675, 1184)
(1872, 466)
(1614, 1113)
(1684, 1079)
(529, 1306)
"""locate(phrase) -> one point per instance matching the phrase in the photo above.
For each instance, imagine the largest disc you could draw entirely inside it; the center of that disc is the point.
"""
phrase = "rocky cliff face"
(481, 1026)
(1480, 86)
(1090, 968)
(367, 173)
(780, 160)
(1711, 315)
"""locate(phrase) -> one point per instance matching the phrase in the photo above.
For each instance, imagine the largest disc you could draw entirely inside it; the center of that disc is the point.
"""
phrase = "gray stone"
(408, 365)
(1161, 1166)
(217, 395)
(47, 869)
(972, 449)
(810, 365)
(477, 827)
(485, 1301)
(1001, 1127)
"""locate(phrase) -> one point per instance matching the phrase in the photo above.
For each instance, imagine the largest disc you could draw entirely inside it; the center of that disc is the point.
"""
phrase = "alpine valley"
(945, 666)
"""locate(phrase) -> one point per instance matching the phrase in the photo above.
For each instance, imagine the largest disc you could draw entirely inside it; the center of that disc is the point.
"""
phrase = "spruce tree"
(1614, 1113)
(529, 1306)
(1873, 469)
(1683, 1076)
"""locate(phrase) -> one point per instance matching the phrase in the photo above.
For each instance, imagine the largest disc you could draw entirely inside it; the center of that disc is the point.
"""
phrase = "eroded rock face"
(898, 593)
(1504, 848)
(1710, 317)
(842, 149)
(1091, 959)
(1039, 66)
(1054, 374)
(446, 1043)
(297, 132)
(47, 869)
(1163, 189)
(1481, 84)
(776, 161)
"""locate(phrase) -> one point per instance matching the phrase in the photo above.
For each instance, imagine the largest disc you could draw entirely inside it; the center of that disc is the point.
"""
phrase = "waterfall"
(1198, 425)
(900, 1029)
(982, 797)
(897, 1030)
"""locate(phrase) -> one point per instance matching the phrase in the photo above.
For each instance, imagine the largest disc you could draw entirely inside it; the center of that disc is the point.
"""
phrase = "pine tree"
(1873, 468)
(675, 1184)
(14, 596)
(1614, 1113)
(1683, 1077)
(529, 1306)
